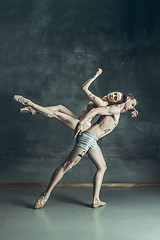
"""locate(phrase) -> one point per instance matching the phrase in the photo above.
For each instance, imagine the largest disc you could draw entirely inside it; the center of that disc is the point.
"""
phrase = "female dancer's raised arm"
(95, 99)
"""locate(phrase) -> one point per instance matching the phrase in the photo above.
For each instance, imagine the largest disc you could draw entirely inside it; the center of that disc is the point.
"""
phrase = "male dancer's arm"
(96, 100)
(134, 112)
(112, 110)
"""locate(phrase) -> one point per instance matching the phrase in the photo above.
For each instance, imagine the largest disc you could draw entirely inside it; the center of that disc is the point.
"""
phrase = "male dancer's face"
(130, 104)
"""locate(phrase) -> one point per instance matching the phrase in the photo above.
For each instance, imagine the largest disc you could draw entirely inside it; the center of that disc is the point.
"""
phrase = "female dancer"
(67, 117)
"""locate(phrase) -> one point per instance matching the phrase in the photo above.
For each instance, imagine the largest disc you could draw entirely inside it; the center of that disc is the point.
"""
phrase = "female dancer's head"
(114, 97)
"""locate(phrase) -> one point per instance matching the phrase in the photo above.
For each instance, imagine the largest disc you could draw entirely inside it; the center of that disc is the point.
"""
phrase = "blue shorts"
(87, 141)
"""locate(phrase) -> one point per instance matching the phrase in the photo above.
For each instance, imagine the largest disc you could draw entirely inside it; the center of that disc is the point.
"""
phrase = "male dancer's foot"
(41, 201)
(30, 110)
(98, 204)
(22, 100)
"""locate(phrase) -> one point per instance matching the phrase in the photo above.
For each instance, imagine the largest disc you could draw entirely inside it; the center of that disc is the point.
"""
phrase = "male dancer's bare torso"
(104, 125)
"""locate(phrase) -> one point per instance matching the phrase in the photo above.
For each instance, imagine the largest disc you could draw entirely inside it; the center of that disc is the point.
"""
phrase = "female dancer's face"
(114, 97)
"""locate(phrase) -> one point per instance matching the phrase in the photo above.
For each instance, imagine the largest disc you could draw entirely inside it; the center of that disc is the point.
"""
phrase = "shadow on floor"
(24, 199)
(65, 199)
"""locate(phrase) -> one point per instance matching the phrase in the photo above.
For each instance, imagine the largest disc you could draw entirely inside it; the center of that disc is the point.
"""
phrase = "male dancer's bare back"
(87, 143)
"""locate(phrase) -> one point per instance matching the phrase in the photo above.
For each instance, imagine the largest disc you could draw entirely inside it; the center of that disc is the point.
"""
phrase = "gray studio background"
(48, 48)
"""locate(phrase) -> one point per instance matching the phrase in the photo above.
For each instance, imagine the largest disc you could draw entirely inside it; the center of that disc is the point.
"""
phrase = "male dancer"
(86, 142)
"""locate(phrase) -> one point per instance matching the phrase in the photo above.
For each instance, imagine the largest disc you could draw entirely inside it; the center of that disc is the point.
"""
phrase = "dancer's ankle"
(96, 200)
(47, 194)
(31, 103)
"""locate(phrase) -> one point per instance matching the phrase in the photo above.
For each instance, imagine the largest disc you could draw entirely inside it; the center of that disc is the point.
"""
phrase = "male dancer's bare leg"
(97, 158)
(73, 158)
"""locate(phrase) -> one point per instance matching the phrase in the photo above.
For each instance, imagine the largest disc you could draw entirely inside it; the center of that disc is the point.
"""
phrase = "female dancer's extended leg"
(59, 112)
(59, 108)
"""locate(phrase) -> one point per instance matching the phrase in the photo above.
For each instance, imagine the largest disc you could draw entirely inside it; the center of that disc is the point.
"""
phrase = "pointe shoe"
(41, 201)
(22, 100)
(28, 110)
(99, 204)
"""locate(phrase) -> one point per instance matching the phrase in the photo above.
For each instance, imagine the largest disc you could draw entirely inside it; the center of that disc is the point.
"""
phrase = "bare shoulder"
(105, 103)
(114, 109)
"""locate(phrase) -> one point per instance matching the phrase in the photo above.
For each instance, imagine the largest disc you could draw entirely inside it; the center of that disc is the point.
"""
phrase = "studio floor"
(130, 214)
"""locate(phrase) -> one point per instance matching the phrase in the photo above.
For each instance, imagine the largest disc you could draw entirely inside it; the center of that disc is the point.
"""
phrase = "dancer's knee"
(103, 168)
(60, 107)
(68, 166)
(51, 115)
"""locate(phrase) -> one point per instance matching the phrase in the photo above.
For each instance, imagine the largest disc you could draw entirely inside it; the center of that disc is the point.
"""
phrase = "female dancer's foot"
(41, 201)
(98, 204)
(22, 100)
(30, 110)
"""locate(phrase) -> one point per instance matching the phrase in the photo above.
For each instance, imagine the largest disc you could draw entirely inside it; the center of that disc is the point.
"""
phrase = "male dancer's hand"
(134, 113)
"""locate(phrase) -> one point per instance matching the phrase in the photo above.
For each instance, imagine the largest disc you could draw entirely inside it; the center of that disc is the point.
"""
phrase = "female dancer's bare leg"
(59, 108)
(51, 112)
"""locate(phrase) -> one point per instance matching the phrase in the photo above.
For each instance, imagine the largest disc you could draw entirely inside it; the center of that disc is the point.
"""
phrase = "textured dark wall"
(48, 48)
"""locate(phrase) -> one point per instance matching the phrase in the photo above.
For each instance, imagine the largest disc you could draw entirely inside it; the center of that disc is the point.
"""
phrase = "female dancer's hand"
(78, 129)
(99, 71)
